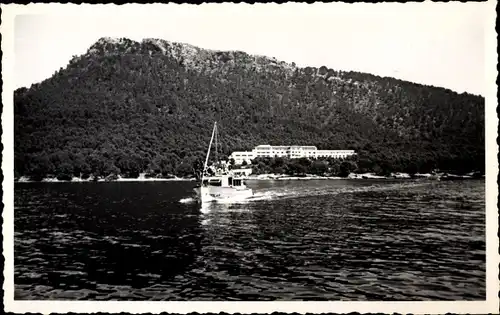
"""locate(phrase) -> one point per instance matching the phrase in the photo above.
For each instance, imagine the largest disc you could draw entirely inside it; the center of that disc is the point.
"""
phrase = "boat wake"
(187, 200)
(299, 192)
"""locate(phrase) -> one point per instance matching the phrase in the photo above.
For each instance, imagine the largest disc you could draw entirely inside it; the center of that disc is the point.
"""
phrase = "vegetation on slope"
(304, 166)
(127, 107)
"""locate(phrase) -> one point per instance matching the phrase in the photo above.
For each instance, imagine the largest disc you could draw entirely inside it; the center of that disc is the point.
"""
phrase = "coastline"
(24, 179)
(260, 177)
(282, 177)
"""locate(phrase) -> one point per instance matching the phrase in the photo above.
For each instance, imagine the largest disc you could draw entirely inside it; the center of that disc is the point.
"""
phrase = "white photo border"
(490, 305)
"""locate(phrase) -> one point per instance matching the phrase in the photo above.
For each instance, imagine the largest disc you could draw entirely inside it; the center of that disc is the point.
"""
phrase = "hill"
(127, 107)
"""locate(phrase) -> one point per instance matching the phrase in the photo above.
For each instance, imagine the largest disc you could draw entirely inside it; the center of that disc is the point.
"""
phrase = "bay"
(352, 240)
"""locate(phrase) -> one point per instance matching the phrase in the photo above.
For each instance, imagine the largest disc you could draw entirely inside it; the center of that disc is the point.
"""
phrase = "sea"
(337, 240)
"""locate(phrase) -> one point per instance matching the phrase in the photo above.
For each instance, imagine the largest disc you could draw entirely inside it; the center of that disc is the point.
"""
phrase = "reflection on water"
(305, 240)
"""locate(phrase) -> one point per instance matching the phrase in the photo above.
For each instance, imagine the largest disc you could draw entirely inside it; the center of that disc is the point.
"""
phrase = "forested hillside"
(126, 107)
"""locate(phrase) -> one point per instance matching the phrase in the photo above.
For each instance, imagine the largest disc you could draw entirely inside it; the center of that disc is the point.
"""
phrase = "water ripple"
(304, 240)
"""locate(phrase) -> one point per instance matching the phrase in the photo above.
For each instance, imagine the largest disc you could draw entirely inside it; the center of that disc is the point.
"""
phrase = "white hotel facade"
(292, 152)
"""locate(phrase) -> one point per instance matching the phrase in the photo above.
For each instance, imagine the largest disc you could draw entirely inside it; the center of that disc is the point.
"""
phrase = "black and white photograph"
(320, 157)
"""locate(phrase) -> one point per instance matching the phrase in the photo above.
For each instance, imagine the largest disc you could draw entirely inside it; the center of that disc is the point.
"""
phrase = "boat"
(218, 184)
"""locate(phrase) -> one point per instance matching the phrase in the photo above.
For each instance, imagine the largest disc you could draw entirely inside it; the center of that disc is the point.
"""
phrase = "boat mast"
(208, 153)
(216, 145)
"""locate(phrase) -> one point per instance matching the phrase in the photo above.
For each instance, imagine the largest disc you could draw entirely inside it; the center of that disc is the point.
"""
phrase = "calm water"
(306, 240)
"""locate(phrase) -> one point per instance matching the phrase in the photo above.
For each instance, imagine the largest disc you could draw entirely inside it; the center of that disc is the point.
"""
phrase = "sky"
(440, 44)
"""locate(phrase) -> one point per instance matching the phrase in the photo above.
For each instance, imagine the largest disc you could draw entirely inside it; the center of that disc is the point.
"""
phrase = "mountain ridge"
(119, 86)
(186, 46)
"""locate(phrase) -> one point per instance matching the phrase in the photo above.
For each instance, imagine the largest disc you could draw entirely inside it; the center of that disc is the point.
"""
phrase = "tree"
(334, 167)
(347, 167)
(185, 169)
(319, 168)
(197, 166)
(231, 163)
(294, 167)
(40, 167)
(65, 171)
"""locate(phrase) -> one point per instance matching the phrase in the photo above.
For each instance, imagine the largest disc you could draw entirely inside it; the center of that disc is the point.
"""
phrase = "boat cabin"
(224, 181)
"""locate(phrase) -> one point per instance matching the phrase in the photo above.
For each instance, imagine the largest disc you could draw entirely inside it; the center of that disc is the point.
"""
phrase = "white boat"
(219, 184)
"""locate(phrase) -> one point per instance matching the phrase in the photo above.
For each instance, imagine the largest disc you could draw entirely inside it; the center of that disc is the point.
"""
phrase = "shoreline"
(102, 180)
(263, 177)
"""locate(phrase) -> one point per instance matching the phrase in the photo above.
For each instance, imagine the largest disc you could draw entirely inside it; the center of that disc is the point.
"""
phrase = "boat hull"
(222, 194)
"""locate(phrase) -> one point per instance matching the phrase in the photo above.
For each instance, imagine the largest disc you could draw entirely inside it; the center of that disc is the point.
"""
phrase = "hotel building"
(292, 152)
